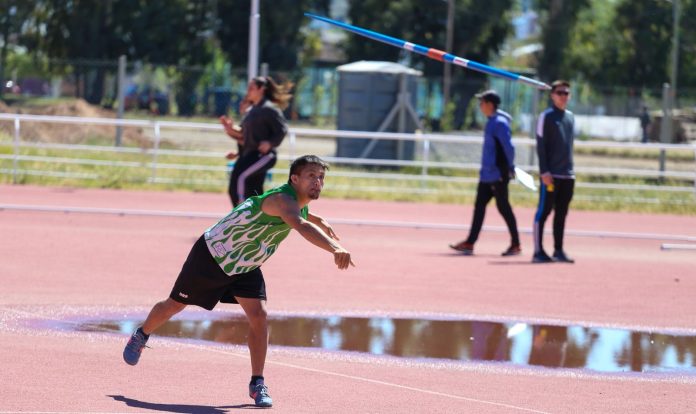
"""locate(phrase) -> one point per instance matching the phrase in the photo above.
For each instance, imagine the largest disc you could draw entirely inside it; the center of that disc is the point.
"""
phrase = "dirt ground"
(67, 133)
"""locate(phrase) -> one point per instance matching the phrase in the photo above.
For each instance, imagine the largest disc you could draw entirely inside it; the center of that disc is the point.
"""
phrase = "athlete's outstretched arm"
(285, 207)
(323, 224)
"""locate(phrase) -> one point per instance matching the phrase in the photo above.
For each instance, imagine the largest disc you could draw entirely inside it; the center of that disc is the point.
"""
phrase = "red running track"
(70, 266)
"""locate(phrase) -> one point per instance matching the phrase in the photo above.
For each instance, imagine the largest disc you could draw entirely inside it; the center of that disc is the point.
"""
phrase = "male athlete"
(555, 137)
(224, 264)
(497, 167)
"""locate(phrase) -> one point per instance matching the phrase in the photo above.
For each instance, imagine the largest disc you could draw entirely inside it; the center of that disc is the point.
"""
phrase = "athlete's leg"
(546, 201)
(500, 192)
(484, 193)
(255, 310)
(236, 188)
(564, 189)
(161, 313)
(250, 181)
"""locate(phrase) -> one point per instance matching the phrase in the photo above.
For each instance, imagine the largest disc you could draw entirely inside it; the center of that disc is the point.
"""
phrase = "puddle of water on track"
(599, 349)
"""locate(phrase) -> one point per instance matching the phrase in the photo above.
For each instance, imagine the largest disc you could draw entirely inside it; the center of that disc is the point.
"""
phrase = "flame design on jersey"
(244, 239)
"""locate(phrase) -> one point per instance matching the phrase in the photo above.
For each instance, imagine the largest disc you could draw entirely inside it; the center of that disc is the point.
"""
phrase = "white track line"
(676, 246)
(389, 384)
(355, 222)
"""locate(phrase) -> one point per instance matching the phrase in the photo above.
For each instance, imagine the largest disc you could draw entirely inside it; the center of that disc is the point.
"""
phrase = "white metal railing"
(425, 142)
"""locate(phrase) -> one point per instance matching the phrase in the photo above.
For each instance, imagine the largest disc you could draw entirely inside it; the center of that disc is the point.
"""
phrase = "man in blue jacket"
(497, 168)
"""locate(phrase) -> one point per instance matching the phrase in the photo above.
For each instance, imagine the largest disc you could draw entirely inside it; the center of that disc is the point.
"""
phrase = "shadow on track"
(180, 408)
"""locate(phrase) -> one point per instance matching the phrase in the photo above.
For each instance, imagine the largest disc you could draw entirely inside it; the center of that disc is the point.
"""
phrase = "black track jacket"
(555, 134)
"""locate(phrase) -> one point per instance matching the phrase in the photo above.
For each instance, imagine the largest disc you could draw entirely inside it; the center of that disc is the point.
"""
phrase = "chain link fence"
(601, 113)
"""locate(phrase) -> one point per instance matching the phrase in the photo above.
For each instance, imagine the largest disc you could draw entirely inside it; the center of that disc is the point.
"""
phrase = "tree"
(558, 23)
(13, 15)
(171, 32)
(82, 30)
(687, 50)
(281, 36)
(629, 44)
(480, 27)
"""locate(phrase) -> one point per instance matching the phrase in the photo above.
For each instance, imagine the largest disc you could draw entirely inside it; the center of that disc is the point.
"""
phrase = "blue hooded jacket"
(498, 155)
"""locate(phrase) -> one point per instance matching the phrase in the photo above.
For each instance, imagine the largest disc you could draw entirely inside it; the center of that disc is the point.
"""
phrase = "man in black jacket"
(555, 134)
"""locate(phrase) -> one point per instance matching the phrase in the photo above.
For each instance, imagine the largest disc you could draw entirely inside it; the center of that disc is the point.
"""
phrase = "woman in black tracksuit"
(262, 130)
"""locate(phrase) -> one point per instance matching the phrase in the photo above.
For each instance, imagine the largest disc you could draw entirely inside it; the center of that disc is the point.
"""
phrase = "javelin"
(432, 53)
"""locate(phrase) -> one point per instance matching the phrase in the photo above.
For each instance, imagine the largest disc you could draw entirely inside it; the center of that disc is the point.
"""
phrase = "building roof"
(378, 66)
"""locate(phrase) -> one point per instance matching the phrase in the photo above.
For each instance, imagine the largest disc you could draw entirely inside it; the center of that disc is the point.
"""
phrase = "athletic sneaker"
(259, 392)
(131, 354)
(467, 249)
(513, 250)
(541, 257)
(560, 256)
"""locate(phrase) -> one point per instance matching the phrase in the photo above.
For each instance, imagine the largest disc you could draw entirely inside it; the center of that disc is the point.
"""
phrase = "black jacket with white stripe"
(555, 135)
(264, 122)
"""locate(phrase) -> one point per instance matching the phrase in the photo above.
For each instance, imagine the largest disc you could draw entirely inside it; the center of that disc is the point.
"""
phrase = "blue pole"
(432, 53)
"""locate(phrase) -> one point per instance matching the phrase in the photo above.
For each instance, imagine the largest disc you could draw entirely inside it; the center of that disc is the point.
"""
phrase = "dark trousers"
(248, 175)
(557, 200)
(484, 193)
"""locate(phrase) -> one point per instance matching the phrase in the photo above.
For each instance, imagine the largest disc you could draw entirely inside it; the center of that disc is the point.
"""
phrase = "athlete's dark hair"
(557, 84)
(274, 92)
(305, 160)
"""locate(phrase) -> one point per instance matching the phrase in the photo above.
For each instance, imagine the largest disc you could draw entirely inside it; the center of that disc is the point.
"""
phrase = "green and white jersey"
(247, 237)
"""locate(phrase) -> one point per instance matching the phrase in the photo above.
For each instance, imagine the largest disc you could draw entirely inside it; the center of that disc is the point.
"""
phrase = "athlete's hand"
(231, 155)
(264, 147)
(547, 179)
(229, 127)
(226, 122)
(342, 258)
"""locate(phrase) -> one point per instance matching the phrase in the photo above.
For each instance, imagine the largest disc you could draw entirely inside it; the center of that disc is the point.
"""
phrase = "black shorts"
(202, 282)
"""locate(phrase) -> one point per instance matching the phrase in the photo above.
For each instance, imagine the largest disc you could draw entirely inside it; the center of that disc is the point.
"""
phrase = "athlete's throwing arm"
(315, 229)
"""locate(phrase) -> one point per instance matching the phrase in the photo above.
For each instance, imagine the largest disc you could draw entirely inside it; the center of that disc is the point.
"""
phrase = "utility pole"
(676, 12)
(447, 76)
(121, 96)
(667, 132)
(254, 23)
